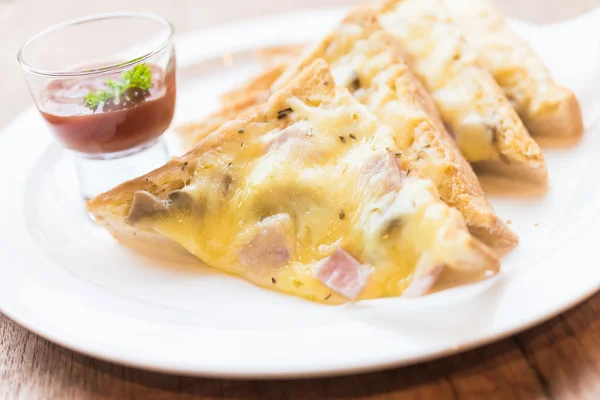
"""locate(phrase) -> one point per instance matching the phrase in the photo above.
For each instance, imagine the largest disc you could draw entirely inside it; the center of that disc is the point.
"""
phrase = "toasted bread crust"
(243, 98)
(459, 186)
(560, 117)
(194, 132)
(259, 84)
(516, 148)
(512, 140)
(546, 108)
(461, 189)
(278, 55)
(239, 100)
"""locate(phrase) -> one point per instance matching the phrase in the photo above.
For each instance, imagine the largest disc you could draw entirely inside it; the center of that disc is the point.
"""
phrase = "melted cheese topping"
(326, 190)
(516, 68)
(364, 62)
(465, 94)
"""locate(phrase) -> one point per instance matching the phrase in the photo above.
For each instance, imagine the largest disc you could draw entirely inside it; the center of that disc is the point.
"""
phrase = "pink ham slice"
(343, 274)
(291, 134)
(423, 282)
(270, 247)
(381, 172)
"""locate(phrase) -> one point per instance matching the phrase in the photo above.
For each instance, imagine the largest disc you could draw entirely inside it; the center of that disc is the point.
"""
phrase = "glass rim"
(100, 70)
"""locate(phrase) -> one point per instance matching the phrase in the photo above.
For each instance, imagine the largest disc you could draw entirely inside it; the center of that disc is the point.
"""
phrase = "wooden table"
(559, 359)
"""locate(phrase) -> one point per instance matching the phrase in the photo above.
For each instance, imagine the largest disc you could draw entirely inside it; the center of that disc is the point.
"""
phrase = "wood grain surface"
(559, 359)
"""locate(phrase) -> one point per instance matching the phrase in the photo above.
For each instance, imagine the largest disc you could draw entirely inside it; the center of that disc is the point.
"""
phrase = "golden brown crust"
(459, 186)
(546, 108)
(259, 84)
(561, 117)
(513, 143)
(461, 189)
(194, 132)
(387, 5)
(278, 55)
(243, 98)
(521, 157)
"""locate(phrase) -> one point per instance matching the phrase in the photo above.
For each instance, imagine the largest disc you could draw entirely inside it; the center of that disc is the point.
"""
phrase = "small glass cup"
(115, 133)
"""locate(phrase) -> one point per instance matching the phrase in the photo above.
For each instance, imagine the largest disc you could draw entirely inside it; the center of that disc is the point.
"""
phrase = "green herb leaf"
(112, 85)
(94, 99)
(139, 77)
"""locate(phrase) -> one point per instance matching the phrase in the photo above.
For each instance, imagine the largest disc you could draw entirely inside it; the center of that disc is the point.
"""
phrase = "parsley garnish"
(94, 99)
(140, 77)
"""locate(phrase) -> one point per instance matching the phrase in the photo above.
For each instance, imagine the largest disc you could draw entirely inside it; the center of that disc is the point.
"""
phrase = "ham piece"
(343, 273)
(423, 281)
(270, 248)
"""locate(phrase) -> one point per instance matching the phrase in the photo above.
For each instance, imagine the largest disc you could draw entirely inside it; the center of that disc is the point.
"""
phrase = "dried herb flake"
(284, 113)
(354, 82)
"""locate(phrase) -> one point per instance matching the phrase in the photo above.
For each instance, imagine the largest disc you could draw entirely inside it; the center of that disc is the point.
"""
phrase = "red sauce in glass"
(138, 118)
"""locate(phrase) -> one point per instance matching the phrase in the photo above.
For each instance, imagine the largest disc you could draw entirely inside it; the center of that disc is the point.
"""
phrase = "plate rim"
(125, 360)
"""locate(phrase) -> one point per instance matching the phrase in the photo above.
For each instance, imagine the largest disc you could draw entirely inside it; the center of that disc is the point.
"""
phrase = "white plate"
(68, 281)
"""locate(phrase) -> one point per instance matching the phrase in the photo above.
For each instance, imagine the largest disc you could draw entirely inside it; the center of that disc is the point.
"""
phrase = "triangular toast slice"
(237, 101)
(487, 129)
(280, 55)
(275, 61)
(546, 108)
(257, 84)
(365, 59)
(193, 132)
(305, 196)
